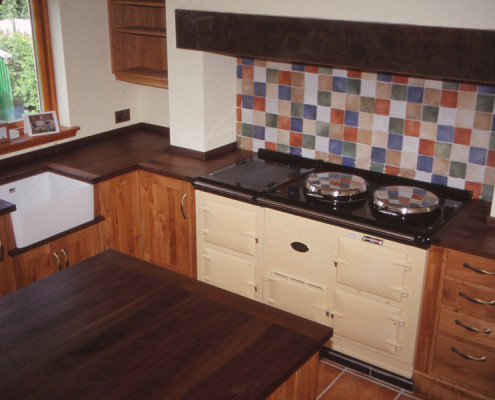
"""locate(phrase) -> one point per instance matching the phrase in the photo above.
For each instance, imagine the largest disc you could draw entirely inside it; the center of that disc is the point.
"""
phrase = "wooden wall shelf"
(138, 41)
(26, 141)
(430, 52)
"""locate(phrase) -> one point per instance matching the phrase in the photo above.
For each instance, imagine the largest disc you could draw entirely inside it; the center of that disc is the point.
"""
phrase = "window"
(26, 70)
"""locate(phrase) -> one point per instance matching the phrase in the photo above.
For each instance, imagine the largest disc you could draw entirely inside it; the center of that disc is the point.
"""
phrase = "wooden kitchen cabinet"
(61, 253)
(138, 41)
(456, 351)
(118, 202)
(168, 222)
(8, 278)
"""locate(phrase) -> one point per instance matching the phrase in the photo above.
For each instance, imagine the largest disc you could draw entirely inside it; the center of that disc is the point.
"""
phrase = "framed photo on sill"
(44, 123)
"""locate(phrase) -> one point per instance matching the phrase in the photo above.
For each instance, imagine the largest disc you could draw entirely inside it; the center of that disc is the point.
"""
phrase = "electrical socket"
(122, 116)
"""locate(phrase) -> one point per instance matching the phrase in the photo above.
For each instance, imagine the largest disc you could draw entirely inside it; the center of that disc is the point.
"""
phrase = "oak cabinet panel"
(52, 257)
(8, 278)
(168, 222)
(118, 202)
(456, 351)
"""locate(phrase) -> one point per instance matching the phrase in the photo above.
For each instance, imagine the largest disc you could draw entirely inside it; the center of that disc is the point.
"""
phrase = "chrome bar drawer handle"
(472, 329)
(467, 356)
(59, 265)
(478, 301)
(66, 258)
(182, 206)
(1, 250)
(477, 270)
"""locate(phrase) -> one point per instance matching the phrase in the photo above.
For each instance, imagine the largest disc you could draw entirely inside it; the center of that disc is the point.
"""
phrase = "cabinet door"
(8, 279)
(118, 202)
(49, 258)
(78, 246)
(168, 223)
(38, 263)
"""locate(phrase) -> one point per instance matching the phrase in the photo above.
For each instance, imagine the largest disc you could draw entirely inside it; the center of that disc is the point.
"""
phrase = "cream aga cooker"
(343, 247)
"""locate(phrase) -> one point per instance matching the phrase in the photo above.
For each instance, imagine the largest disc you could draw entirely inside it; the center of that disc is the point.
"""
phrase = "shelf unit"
(138, 41)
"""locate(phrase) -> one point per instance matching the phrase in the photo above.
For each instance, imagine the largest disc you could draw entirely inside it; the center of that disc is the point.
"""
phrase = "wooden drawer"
(458, 324)
(455, 294)
(478, 374)
(471, 268)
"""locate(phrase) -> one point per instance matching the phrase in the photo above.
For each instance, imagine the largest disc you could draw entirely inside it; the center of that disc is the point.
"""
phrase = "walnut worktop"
(115, 327)
(148, 147)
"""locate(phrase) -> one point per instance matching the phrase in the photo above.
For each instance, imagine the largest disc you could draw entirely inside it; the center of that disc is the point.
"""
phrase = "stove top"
(389, 206)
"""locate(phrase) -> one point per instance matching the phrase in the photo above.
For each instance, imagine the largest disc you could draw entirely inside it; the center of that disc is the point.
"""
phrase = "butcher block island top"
(114, 327)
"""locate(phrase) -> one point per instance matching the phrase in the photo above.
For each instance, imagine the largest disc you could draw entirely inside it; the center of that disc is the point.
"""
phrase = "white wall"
(202, 86)
(87, 92)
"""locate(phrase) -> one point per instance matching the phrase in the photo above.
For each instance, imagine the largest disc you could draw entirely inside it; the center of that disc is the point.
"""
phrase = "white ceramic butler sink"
(47, 204)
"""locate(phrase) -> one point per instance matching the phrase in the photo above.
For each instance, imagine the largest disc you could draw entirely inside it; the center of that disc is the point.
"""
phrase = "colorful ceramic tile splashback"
(430, 130)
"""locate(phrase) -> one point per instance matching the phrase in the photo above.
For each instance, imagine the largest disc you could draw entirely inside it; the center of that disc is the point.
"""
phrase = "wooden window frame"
(46, 75)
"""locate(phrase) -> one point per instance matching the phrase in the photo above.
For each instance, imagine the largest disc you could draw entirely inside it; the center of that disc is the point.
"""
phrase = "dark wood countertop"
(469, 231)
(114, 327)
(147, 147)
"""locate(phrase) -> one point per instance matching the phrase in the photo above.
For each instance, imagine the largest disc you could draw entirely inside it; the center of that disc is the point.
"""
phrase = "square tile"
(351, 118)
(430, 113)
(466, 101)
(378, 155)
(335, 146)
(323, 113)
(383, 90)
(395, 142)
(380, 123)
(432, 96)
(350, 386)
(457, 169)
(337, 116)
(349, 149)
(425, 163)
(322, 129)
(399, 92)
(325, 83)
(284, 92)
(449, 98)
(367, 104)
(382, 106)
(396, 125)
(353, 86)
(445, 133)
(350, 134)
(415, 94)
(324, 98)
(426, 147)
(462, 136)
(477, 155)
(368, 88)
(309, 126)
(442, 150)
(352, 102)
(296, 109)
(296, 124)
(308, 141)
(297, 79)
(339, 84)
(309, 111)
(297, 94)
(484, 103)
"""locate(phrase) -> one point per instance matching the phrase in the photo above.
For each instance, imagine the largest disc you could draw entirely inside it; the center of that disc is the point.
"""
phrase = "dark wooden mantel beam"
(431, 52)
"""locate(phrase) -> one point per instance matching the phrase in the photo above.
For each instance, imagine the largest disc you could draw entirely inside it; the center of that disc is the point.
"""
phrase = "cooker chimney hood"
(431, 52)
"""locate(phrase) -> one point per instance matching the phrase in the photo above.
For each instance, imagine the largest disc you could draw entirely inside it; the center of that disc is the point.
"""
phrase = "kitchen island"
(115, 327)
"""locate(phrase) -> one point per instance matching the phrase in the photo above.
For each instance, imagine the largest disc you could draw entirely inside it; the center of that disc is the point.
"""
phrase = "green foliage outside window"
(22, 66)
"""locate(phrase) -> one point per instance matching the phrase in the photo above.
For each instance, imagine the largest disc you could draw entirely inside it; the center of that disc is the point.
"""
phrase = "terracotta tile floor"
(336, 382)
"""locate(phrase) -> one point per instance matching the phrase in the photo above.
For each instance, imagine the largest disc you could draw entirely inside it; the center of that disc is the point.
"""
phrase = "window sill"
(26, 141)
